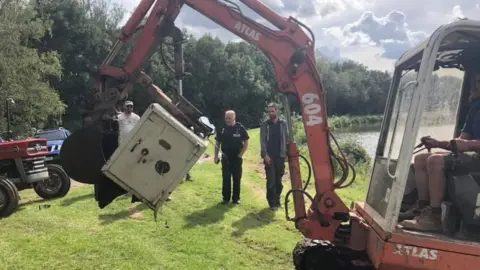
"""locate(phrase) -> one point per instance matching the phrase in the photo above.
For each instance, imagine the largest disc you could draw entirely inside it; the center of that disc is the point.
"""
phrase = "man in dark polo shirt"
(273, 142)
(233, 140)
(430, 169)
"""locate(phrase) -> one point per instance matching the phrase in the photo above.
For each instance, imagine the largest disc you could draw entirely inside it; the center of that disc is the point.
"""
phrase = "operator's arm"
(464, 141)
(468, 127)
(245, 139)
(263, 140)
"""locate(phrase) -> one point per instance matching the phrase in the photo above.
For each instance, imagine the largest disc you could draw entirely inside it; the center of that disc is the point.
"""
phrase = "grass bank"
(193, 230)
(347, 121)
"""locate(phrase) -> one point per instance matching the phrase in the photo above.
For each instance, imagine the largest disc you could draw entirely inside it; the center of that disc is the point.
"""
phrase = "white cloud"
(373, 32)
(274, 3)
(457, 12)
(369, 56)
(390, 32)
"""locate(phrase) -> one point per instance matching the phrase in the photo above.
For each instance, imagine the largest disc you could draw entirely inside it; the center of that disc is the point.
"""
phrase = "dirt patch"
(135, 214)
(76, 184)
(205, 158)
(257, 190)
(258, 170)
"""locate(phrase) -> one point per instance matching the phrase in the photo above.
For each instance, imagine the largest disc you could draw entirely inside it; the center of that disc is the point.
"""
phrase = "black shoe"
(236, 202)
(274, 208)
(225, 202)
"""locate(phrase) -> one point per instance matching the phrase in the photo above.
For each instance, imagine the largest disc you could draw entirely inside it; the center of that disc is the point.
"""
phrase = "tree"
(25, 71)
(83, 32)
(224, 76)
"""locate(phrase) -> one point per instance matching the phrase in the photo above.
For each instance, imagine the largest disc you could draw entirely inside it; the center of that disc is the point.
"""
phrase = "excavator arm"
(291, 52)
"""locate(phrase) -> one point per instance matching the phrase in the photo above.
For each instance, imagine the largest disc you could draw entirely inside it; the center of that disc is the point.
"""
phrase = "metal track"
(322, 255)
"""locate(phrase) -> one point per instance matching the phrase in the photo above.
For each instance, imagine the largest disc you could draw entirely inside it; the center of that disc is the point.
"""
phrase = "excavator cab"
(428, 97)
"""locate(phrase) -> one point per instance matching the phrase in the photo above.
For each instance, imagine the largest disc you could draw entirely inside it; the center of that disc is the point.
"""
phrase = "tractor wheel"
(56, 186)
(9, 197)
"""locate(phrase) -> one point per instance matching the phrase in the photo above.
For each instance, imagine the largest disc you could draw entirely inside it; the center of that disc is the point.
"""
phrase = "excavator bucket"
(82, 154)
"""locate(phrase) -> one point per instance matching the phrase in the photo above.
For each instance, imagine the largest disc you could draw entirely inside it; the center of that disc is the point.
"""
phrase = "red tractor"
(23, 166)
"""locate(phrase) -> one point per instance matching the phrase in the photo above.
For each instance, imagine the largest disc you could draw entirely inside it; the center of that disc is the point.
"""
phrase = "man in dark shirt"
(430, 169)
(273, 142)
(233, 140)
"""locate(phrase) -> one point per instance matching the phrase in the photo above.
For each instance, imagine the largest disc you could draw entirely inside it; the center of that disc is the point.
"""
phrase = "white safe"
(154, 157)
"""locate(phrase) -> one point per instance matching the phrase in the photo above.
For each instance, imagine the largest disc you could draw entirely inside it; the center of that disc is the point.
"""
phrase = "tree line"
(50, 49)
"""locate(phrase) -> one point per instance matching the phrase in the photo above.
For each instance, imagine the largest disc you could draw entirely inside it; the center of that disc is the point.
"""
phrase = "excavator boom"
(291, 52)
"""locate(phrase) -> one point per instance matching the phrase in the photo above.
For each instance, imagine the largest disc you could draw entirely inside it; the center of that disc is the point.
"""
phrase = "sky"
(372, 32)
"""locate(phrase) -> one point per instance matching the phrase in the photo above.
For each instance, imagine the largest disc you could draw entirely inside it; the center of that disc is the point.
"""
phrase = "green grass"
(192, 232)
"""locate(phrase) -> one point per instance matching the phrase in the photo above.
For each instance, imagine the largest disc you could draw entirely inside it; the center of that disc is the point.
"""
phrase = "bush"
(355, 155)
(355, 152)
(351, 148)
(337, 123)
(299, 133)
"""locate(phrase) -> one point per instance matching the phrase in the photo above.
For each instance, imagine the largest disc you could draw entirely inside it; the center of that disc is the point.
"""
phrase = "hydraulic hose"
(290, 192)
(164, 60)
(344, 164)
(309, 167)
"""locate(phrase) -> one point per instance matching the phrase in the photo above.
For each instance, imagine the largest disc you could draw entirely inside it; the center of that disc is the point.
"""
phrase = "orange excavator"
(363, 236)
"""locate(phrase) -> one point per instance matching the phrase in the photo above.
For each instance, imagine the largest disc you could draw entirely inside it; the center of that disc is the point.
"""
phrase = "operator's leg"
(237, 170)
(279, 172)
(226, 183)
(436, 183)
(270, 170)
(421, 182)
(430, 218)
(421, 178)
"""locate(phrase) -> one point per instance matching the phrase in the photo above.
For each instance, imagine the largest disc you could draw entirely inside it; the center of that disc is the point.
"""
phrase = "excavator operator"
(425, 215)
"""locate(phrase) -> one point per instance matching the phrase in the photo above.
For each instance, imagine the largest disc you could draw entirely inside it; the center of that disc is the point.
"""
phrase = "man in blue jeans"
(273, 142)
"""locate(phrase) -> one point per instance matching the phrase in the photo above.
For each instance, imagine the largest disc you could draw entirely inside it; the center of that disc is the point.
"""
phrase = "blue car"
(55, 138)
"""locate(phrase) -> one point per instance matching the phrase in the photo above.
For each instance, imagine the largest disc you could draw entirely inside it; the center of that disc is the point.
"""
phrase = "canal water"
(368, 136)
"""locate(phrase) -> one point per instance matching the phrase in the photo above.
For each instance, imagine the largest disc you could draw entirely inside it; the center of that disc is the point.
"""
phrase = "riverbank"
(347, 121)
(343, 123)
